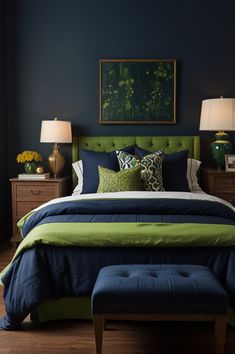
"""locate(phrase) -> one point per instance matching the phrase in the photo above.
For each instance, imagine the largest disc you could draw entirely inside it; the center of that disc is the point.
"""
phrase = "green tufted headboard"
(170, 144)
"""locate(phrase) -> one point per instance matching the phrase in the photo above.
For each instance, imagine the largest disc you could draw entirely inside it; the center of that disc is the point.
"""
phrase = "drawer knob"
(35, 192)
(231, 181)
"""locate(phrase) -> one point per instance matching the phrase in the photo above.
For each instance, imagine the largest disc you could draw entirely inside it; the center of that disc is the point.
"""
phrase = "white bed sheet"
(196, 195)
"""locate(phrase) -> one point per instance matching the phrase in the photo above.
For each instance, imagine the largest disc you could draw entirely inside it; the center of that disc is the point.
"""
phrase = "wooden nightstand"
(219, 183)
(27, 195)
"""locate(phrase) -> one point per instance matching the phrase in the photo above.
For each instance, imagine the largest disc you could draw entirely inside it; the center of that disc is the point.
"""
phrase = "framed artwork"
(137, 91)
(230, 163)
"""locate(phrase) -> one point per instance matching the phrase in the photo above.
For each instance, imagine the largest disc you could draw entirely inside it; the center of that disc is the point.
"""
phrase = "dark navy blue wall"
(54, 47)
(4, 205)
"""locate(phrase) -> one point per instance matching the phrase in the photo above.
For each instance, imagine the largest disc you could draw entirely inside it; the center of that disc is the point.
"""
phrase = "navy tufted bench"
(159, 293)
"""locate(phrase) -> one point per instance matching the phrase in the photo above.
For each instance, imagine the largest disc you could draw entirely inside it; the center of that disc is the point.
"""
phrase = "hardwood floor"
(65, 337)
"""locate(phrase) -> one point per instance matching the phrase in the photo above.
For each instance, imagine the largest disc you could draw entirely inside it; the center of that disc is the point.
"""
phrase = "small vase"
(30, 167)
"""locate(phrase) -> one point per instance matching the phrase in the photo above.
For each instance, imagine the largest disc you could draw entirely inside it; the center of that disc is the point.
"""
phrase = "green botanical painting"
(137, 91)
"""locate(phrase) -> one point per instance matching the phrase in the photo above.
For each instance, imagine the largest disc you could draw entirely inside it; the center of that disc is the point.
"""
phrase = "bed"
(68, 240)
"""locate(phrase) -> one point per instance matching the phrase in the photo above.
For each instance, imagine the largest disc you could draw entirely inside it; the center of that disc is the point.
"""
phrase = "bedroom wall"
(3, 119)
(53, 52)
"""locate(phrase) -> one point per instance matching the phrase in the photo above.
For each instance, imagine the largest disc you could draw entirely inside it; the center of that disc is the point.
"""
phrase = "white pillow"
(192, 168)
(78, 168)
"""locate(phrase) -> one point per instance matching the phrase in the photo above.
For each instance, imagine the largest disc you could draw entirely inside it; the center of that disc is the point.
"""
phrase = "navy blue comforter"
(49, 272)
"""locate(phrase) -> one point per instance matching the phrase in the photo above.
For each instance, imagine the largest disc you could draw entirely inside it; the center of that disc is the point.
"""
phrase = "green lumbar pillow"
(150, 168)
(122, 181)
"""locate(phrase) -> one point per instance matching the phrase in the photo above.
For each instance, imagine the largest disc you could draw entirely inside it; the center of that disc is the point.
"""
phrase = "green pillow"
(122, 181)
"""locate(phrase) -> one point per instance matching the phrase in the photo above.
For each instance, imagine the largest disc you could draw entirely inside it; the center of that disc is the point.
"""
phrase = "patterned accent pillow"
(174, 169)
(126, 160)
(151, 172)
(122, 181)
(151, 168)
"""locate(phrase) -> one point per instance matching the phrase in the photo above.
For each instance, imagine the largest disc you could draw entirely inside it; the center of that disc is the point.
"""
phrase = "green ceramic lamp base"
(220, 147)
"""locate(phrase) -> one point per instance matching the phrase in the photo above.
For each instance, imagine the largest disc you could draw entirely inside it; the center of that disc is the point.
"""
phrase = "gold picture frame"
(229, 163)
(137, 91)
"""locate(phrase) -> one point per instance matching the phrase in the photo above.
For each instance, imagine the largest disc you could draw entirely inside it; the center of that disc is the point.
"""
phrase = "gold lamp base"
(56, 161)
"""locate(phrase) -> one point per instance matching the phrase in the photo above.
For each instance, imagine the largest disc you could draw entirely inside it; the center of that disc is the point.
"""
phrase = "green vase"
(30, 167)
(219, 148)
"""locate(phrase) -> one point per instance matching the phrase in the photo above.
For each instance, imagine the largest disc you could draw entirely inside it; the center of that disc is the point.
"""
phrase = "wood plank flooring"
(65, 337)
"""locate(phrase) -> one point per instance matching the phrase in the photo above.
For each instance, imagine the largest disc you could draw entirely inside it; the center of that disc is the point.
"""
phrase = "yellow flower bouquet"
(30, 160)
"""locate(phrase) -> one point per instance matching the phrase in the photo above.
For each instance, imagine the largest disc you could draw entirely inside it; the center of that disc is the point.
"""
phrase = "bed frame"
(80, 307)
(170, 144)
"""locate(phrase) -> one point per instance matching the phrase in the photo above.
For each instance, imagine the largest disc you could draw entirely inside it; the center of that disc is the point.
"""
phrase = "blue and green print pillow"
(127, 160)
(151, 172)
(150, 168)
(174, 169)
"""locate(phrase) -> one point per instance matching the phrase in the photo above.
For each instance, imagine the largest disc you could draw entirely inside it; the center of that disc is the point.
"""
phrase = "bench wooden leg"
(220, 333)
(98, 321)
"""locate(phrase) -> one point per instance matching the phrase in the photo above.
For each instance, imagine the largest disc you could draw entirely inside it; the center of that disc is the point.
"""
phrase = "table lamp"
(219, 114)
(56, 131)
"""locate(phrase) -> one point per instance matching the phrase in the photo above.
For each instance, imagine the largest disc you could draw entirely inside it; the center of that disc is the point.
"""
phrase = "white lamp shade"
(218, 114)
(56, 131)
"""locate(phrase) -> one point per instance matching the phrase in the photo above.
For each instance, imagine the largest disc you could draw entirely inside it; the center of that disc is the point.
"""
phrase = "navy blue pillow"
(141, 152)
(91, 160)
(174, 169)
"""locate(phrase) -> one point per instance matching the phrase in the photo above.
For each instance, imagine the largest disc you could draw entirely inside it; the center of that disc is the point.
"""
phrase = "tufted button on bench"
(159, 293)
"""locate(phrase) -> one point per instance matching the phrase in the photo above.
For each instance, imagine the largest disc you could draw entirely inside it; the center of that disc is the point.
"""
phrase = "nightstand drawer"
(219, 183)
(223, 183)
(23, 208)
(35, 192)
